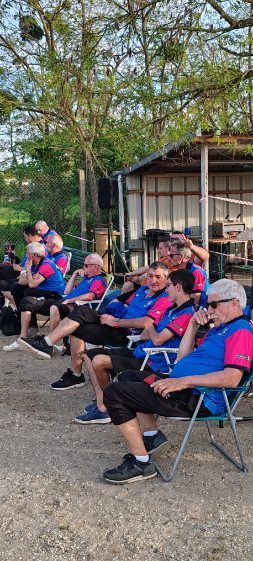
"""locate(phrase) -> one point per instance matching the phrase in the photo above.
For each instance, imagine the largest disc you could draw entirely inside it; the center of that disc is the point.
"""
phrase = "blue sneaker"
(93, 417)
(90, 407)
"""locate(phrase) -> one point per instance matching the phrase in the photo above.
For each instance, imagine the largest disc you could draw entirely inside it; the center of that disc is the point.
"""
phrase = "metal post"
(121, 218)
(204, 195)
(82, 196)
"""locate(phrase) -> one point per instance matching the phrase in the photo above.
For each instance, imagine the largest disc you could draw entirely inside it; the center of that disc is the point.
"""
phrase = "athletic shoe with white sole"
(68, 381)
(93, 417)
(156, 442)
(13, 347)
(130, 470)
(37, 345)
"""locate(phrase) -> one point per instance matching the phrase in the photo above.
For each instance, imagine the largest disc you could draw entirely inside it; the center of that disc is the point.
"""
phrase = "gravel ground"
(55, 506)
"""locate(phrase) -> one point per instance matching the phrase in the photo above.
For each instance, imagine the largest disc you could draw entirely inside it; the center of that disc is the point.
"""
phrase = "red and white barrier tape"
(232, 255)
(246, 203)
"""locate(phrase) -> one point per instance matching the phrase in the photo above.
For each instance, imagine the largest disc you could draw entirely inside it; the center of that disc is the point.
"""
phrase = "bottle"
(6, 258)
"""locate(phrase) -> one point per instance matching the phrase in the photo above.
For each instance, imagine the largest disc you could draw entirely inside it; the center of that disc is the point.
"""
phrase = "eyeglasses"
(172, 254)
(88, 265)
(214, 304)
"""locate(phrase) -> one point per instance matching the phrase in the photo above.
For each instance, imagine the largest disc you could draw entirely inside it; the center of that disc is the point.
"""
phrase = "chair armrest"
(205, 389)
(151, 350)
(134, 338)
(81, 302)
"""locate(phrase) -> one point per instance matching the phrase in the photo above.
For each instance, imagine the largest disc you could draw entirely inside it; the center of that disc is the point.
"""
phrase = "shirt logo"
(244, 357)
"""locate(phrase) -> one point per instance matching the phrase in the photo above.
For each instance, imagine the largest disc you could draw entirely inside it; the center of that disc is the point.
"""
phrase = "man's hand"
(165, 387)
(28, 264)
(199, 318)
(16, 267)
(79, 273)
(106, 319)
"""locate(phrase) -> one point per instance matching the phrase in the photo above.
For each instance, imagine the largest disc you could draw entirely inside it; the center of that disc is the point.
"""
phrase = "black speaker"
(107, 193)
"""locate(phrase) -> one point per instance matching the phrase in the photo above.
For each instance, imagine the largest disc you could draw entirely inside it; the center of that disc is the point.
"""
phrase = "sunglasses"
(215, 303)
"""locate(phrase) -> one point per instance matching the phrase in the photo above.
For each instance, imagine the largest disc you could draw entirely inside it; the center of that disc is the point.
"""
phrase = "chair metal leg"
(242, 464)
(168, 477)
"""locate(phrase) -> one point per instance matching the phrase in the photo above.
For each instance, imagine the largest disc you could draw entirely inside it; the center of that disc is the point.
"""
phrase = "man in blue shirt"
(44, 230)
(220, 360)
(141, 309)
(105, 363)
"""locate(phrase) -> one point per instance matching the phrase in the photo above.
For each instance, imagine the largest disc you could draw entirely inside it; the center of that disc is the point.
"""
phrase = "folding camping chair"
(95, 304)
(232, 398)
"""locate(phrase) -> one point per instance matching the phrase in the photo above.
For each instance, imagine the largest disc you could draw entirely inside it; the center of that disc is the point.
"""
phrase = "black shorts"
(126, 398)
(92, 331)
(42, 306)
(122, 359)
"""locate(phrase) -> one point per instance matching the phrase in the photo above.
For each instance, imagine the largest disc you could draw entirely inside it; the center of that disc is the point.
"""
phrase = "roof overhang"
(226, 153)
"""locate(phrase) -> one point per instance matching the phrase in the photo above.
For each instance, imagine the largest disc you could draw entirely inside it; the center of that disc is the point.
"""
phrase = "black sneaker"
(155, 442)
(68, 381)
(37, 345)
(130, 470)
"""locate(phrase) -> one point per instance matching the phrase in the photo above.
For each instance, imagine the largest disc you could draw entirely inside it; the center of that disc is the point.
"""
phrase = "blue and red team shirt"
(97, 285)
(53, 278)
(60, 259)
(201, 281)
(176, 320)
(140, 305)
(229, 345)
(47, 234)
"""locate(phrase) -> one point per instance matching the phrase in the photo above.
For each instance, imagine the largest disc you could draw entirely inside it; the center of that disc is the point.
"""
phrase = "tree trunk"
(82, 196)
(93, 189)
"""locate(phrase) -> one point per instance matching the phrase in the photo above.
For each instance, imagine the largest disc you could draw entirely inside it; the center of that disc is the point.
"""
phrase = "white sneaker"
(13, 347)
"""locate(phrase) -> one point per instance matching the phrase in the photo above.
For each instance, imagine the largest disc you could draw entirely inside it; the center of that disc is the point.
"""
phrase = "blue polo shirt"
(96, 284)
(60, 259)
(53, 278)
(175, 319)
(229, 345)
(140, 305)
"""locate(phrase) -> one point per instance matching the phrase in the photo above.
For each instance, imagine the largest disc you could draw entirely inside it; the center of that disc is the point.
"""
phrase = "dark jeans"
(125, 398)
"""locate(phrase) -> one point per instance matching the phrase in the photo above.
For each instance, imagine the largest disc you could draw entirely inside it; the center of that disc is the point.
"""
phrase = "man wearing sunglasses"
(219, 360)
(104, 364)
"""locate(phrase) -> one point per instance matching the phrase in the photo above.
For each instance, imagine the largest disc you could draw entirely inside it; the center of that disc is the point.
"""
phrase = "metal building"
(164, 189)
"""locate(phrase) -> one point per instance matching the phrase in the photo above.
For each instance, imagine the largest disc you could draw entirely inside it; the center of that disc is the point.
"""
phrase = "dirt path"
(55, 506)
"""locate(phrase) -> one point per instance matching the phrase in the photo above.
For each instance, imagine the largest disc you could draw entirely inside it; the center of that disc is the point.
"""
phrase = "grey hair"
(41, 223)
(183, 249)
(96, 259)
(228, 288)
(159, 265)
(56, 239)
(36, 248)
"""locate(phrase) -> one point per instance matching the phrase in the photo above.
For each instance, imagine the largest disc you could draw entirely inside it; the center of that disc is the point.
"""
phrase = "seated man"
(143, 308)
(9, 272)
(91, 287)
(180, 258)
(219, 361)
(55, 253)
(199, 255)
(168, 333)
(44, 230)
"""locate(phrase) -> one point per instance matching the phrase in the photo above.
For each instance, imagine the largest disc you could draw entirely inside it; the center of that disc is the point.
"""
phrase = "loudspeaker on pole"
(107, 193)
